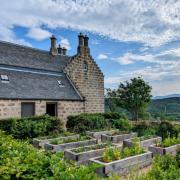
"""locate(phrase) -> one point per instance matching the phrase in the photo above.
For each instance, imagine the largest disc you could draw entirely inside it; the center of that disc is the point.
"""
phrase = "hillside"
(169, 107)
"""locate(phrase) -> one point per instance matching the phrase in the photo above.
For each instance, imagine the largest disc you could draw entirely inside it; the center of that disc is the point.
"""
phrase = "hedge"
(31, 127)
(85, 122)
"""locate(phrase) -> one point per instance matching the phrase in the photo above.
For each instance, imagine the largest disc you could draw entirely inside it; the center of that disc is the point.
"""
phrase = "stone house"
(36, 82)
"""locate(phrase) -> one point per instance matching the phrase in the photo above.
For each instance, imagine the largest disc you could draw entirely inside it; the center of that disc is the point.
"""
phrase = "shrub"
(163, 167)
(145, 129)
(31, 127)
(166, 129)
(114, 115)
(18, 160)
(85, 122)
(122, 124)
(170, 142)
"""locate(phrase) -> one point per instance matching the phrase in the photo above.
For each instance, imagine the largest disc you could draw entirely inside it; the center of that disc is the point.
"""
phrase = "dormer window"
(4, 78)
(60, 83)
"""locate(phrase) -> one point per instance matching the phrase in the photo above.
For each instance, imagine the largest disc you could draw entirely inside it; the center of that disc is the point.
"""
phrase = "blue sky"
(127, 38)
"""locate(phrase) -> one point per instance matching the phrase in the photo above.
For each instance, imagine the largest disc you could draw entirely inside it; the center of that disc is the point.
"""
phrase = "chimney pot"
(86, 38)
(64, 51)
(81, 39)
(59, 49)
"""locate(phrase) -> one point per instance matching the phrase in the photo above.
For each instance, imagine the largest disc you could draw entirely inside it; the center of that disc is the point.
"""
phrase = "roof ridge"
(23, 46)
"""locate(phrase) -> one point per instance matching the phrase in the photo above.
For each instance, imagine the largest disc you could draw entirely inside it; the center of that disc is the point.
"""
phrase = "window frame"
(34, 108)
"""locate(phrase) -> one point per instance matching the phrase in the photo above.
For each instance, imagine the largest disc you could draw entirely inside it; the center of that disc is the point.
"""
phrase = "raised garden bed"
(168, 146)
(123, 166)
(41, 141)
(145, 142)
(61, 145)
(83, 154)
(117, 137)
(97, 134)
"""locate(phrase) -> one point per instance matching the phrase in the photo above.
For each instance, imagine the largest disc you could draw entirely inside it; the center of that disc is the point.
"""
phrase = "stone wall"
(89, 83)
(12, 108)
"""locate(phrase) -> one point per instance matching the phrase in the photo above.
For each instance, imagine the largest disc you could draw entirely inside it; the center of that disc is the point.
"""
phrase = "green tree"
(134, 96)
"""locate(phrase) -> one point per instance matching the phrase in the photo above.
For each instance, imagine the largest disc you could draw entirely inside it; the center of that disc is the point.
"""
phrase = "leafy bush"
(18, 160)
(31, 127)
(112, 154)
(99, 121)
(166, 129)
(114, 115)
(85, 122)
(145, 129)
(122, 124)
(163, 167)
(170, 142)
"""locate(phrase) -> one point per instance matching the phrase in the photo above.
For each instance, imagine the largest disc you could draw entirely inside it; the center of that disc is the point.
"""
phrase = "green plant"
(163, 167)
(169, 142)
(92, 147)
(86, 122)
(166, 129)
(122, 124)
(68, 140)
(19, 160)
(31, 127)
(112, 154)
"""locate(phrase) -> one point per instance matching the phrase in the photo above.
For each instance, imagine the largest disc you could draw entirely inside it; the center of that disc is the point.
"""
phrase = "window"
(27, 109)
(4, 78)
(85, 66)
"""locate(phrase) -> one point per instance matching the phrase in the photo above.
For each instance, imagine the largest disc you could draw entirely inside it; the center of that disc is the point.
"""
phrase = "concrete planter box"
(97, 134)
(70, 145)
(117, 138)
(83, 157)
(39, 143)
(123, 166)
(168, 150)
(144, 143)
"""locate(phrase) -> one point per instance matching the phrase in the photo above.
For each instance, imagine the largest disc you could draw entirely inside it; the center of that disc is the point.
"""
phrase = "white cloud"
(102, 56)
(7, 34)
(65, 43)
(153, 22)
(38, 34)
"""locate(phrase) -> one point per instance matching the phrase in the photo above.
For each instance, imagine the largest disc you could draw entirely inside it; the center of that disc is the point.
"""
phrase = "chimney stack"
(53, 49)
(81, 43)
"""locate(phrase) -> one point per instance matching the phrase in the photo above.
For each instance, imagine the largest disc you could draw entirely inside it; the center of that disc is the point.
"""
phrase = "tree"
(134, 96)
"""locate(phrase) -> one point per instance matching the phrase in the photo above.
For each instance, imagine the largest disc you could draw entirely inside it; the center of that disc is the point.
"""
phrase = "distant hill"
(164, 108)
(169, 107)
(167, 96)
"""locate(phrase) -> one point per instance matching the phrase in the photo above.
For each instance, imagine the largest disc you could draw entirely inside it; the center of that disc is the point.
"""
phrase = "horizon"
(135, 39)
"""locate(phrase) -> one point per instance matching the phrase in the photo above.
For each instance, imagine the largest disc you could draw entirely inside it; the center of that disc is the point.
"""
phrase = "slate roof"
(17, 55)
(34, 74)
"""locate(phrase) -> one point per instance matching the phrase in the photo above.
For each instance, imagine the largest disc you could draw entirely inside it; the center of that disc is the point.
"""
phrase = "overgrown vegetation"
(164, 167)
(72, 139)
(19, 160)
(112, 154)
(31, 127)
(86, 122)
(90, 148)
(170, 142)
